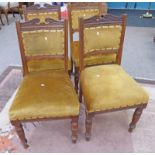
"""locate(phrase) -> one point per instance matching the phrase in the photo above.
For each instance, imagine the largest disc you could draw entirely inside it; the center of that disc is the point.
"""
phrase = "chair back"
(43, 43)
(42, 12)
(100, 35)
(85, 10)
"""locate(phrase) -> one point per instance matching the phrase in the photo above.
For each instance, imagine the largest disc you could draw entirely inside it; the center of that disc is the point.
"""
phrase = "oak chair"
(107, 88)
(10, 6)
(42, 12)
(85, 10)
(46, 93)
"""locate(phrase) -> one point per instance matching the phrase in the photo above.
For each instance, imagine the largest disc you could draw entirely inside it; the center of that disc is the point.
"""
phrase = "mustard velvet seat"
(53, 96)
(110, 58)
(110, 87)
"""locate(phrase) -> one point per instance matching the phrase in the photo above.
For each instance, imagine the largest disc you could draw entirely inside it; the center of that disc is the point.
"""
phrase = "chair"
(47, 93)
(85, 10)
(10, 6)
(42, 12)
(107, 88)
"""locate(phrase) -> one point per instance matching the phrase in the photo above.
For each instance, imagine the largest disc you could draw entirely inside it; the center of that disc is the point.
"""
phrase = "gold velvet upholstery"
(43, 16)
(109, 87)
(43, 42)
(75, 14)
(102, 38)
(40, 65)
(109, 58)
(44, 95)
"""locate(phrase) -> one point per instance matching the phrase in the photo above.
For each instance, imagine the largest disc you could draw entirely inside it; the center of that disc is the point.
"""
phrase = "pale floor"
(138, 55)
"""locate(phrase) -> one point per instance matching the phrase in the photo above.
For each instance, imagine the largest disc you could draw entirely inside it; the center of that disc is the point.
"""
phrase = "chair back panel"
(87, 13)
(85, 10)
(42, 12)
(101, 35)
(43, 42)
(102, 38)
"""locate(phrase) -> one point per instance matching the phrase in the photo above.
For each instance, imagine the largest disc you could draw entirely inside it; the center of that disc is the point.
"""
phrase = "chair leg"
(20, 13)
(88, 125)
(69, 73)
(6, 15)
(1, 19)
(74, 128)
(80, 95)
(12, 11)
(20, 133)
(136, 117)
(76, 78)
(71, 65)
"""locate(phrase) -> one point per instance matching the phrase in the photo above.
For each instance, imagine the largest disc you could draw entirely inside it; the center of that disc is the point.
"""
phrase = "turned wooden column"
(136, 117)
(88, 125)
(20, 133)
(74, 128)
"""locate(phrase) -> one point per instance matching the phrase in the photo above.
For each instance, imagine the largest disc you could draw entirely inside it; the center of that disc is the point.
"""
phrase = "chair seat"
(109, 87)
(37, 65)
(110, 58)
(45, 94)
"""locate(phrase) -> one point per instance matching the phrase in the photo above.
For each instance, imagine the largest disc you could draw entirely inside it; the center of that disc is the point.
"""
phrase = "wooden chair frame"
(100, 21)
(80, 6)
(51, 25)
(38, 9)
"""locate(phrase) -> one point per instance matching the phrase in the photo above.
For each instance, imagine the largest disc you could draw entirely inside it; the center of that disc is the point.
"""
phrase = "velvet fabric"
(102, 38)
(87, 13)
(40, 65)
(43, 16)
(109, 87)
(43, 42)
(45, 94)
(91, 60)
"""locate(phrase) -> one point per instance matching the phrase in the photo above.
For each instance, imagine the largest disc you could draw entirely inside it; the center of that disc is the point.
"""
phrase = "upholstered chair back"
(85, 10)
(42, 12)
(43, 45)
(102, 35)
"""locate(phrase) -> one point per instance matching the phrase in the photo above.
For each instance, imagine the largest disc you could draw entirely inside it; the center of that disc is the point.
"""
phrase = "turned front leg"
(74, 128)
(20, 133)
(88, 124)
(136, 117)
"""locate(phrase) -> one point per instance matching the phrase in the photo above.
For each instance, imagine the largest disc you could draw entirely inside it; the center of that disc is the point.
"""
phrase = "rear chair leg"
(20, 13)
(80, 95)
(74, 128)
(136, 117)
(88, 124)
(20, 133)
(76, 78)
